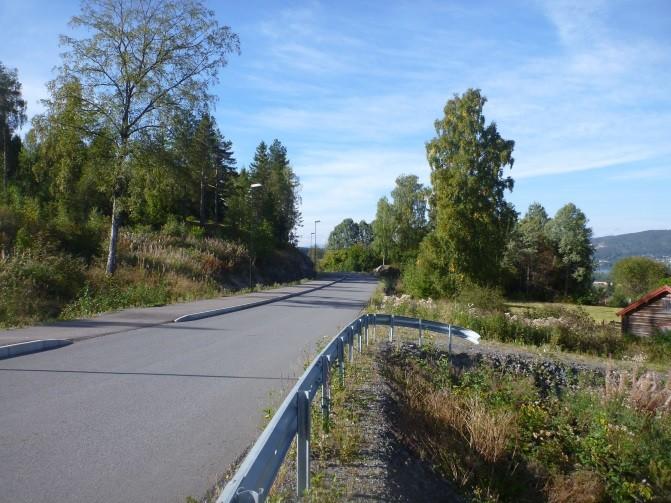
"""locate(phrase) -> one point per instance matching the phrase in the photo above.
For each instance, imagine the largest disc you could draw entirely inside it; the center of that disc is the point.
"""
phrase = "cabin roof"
(646, 299)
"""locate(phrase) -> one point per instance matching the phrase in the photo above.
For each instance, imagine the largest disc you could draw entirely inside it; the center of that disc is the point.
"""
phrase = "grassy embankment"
(155, 268)
(536, 431)
(499, 433)
(559, 328)
(502, 436)
(514, 432)
(600, 314)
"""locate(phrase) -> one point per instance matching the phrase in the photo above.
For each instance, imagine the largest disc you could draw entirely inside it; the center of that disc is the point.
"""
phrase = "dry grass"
(488, 432)
(582, 486)
(646, 392)
(600, 314)
(188, 256)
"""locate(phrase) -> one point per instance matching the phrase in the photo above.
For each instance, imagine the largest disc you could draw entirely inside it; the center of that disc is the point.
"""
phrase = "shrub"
(495, 433)
(36, 284)
(358, 258)
(113, 293)
(482, 297)
(174, 227)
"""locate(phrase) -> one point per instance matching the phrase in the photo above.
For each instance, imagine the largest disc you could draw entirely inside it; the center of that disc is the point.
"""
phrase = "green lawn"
(599, 313)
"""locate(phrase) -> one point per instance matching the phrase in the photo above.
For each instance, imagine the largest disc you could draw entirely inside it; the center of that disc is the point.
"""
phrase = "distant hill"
(653, 244)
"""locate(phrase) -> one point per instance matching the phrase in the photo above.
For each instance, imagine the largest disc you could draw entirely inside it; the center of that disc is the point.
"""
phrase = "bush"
(35, 285)
(356, 258)
(174, 228)
(497, 434)
(113, 293)
(482, 297)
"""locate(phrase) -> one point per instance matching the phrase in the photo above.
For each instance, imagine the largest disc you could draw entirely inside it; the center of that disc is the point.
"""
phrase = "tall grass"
(556, 327)
(35, 284)
(38, 281)
(494, 434)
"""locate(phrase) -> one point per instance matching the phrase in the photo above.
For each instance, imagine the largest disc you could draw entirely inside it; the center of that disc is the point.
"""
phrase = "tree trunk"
(217, 195)
(114, 237)
(4, 160)
(202, 195)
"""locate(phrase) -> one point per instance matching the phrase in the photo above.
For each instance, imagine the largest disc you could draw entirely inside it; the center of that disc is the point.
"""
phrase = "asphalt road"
(156, 414)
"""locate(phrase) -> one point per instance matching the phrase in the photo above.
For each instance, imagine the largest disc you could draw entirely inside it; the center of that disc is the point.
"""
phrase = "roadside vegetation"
(504, 436)
(154, 268)
(550, 327)
(117, 199)
(558, 405)
(600, 314)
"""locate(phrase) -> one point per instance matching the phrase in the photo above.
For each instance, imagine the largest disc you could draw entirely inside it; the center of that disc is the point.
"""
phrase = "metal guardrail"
(256, 474)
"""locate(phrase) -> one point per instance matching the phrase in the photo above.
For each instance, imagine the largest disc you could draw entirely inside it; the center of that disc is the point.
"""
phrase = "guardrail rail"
(257, 472)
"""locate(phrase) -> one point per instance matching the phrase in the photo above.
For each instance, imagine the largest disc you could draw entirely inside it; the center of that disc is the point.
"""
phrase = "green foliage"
(495, 433)
(400, 225)
(27, 226)
(357, 257)
(348, 233)
(111, 294)
(383, 229)
(409, 211)
(12, 117)
(472, 218)
(530, 255)
(35, 284)
(557, 327)
(275, 204)
(635, 276)
(571, 239)
(486, 298)
(157, 59)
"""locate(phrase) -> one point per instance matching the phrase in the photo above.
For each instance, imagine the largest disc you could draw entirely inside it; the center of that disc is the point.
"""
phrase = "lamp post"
(312, 236)
(251, 216)
(316, 222)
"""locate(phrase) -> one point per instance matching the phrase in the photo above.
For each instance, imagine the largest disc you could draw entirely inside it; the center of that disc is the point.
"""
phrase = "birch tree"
(138, 62)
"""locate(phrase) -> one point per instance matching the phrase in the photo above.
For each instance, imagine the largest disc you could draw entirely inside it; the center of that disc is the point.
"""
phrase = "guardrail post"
(326, 391)
(420, 332)
(391, 329)
(341, 360)
(449, 343)
(359, 335)
(351, 344)
(366, 327)
(302, 443)
(374, 326)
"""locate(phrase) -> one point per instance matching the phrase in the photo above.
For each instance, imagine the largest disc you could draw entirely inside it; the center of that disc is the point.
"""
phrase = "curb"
(233, 309)
(24, 348)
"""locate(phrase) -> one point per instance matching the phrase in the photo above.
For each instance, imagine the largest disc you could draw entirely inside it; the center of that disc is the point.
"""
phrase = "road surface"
(156, 414)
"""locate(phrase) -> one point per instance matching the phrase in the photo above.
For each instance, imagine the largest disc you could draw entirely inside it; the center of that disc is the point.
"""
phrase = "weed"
(499, 437)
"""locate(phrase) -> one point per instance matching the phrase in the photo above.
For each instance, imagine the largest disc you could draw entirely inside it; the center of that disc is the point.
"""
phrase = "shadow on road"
(152, 374)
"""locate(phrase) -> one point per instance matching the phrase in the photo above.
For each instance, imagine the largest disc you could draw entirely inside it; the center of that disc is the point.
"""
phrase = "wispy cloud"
(635, 174)
(352, 90)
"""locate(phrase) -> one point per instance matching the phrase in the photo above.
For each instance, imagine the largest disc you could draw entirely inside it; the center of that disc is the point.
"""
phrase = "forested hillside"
(125, 191)
(654, 244)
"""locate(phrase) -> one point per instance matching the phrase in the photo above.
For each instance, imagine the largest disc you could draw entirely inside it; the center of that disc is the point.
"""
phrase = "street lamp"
(251, 210)
(316, 222)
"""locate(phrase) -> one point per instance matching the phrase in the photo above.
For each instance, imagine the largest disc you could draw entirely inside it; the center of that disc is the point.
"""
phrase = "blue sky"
(352, 90)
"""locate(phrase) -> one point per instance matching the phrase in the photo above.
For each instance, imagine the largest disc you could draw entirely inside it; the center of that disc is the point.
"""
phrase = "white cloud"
(340, 184)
